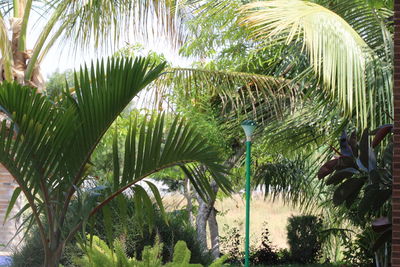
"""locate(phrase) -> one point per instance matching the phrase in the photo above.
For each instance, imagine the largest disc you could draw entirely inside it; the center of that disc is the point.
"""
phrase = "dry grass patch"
(231, 211)
(274, 213)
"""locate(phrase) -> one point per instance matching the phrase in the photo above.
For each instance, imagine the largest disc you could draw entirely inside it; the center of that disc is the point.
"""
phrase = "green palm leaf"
(239, 91)
(151, 147)
(338, 54)
(46, 146)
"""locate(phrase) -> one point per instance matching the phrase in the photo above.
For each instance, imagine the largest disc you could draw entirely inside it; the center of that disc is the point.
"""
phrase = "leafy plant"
(47, 147)
(358, 251)
(232, 244)
(98, 254)
(135, 238)
(304, 238)
(265, 253)
(362, 177)
(181, 256)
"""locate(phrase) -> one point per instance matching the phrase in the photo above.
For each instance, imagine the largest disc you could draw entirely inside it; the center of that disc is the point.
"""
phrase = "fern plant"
(98, 254)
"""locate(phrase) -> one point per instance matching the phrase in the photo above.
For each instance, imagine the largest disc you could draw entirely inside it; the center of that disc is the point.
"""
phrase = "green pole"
(248, 127)
(247, 241)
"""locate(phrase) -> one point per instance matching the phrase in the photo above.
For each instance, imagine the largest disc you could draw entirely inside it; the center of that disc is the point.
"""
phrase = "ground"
(232, 213)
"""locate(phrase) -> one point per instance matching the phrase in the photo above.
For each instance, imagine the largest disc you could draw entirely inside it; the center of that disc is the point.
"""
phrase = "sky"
(61, 57)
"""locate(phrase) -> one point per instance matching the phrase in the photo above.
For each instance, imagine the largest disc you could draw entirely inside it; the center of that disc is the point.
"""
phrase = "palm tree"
(47, 145)
(98, 23)
(84, 24)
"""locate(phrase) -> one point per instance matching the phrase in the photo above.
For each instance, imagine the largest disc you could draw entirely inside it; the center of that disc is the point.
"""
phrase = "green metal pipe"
(248, 194)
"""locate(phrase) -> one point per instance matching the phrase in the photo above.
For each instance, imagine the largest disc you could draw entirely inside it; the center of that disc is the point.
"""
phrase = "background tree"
(348, 84)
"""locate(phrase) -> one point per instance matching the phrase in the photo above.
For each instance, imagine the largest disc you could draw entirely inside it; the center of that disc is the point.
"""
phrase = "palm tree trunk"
(18, 56)
(53, 255)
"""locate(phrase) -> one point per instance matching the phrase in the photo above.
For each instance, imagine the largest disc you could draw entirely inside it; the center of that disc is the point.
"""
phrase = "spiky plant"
(47, 145)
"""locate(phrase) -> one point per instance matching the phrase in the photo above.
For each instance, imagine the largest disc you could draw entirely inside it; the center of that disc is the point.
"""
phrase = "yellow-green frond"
(236, 90)
(337, 52)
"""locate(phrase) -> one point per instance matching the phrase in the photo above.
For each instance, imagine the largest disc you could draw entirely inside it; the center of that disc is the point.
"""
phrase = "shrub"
(136, 237)
(359, 252)
(265, 253)
(232, 244)
(178, 228)
(31, 253)
(100, 255)
(304, 238)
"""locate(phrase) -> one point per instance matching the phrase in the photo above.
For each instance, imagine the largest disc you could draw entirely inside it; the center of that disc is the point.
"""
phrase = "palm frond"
(289, 179)
(237, 91)
(100, 96)
(368, 22)
(97, 21)
(337, 52)
(47, 145)
(150, 147)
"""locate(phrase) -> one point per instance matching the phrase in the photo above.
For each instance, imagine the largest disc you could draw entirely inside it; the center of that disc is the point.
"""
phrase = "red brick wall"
(7, 230)
(396, 156)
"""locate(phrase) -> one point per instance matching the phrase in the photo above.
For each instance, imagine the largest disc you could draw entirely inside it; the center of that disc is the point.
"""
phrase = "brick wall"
(396, 156)
(7, 230)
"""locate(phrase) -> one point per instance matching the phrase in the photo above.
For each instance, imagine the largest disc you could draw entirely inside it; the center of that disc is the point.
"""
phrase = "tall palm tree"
(98, 23)
(80, 24)
(46, 146)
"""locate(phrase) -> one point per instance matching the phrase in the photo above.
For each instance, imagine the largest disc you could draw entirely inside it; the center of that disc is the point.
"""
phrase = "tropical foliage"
(99, 254)
(362, 178)
(304, 70)
(326, 76)
(99, 24)
(47, 147)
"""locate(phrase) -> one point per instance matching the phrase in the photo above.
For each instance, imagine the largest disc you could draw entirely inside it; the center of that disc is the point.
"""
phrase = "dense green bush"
(304, 238)
(31, 252)
(265, 254)
(135, 235)
(358, 251)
